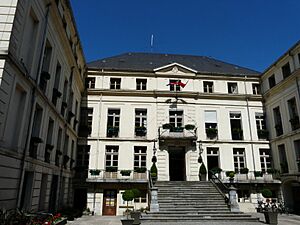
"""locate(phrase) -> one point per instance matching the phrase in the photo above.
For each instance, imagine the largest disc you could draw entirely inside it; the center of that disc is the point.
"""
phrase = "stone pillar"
(154, 207)
(234, 206)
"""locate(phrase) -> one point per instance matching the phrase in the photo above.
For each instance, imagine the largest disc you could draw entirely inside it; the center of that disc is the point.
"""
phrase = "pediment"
(175, 69)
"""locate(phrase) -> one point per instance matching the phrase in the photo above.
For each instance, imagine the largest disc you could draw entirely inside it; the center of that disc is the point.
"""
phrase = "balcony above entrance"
(167, 131)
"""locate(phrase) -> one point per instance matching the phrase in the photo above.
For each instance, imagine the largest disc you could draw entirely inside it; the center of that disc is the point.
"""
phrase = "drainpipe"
(249, 123)
(31, 116)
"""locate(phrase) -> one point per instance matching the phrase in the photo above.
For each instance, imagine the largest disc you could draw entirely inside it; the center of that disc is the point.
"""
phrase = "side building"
(42, 70)
(281, 92)
(178, 108)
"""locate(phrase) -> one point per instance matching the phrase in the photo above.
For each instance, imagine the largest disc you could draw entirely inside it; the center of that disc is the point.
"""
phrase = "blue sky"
(250, 33)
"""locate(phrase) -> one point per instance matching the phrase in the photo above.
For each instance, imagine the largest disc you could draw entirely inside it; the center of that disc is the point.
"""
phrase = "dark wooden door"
(110, 203)
(177, 164)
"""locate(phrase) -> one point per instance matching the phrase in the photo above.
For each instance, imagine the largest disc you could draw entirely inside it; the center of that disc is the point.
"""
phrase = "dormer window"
(115, 83)
(208, 86)
(255, 89)
(272, 81)
(141, 84)
(286, 70)
(232, 88)
(90, 82)
(175, 85)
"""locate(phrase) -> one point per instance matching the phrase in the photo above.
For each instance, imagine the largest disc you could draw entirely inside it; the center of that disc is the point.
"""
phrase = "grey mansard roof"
(152, 61)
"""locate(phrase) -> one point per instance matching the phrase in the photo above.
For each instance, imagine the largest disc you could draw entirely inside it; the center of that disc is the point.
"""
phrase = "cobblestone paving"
(115, 220)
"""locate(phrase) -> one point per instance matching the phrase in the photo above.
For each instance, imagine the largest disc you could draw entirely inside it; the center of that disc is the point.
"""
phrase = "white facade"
(282, 95)
(174, 149)
(40, 51)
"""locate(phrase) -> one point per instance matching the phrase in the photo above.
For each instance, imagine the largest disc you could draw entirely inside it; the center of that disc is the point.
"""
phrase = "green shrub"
(189, 127)
(202, 169)
(230, 174)
(244, 171)
(266, 193)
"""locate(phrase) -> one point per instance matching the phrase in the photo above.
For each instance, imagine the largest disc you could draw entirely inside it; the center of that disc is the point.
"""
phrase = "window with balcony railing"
(262, 132)
(239, 159)
(211, 124)
(236, 126)
(277, 121)
(265, 159)
(293, 113)
(113, 122)
(140, 122)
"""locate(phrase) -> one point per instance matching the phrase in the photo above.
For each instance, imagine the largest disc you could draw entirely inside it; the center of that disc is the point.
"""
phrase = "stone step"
(191, 201)
(191, 212)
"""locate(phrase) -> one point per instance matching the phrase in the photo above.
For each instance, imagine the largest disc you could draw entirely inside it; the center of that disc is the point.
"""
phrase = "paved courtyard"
(115, 220)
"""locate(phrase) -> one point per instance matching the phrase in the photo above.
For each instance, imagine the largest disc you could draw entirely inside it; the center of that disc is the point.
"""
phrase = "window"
(113, 122)
(208, 86)
(255, 89)
(16, 117)
(86, 121)
(239, 159)
(142, 198)
(35, 134)
(90, 82)
(45, 75)
(141, 84)
(115, 83)
(140, 122)
(112, 155)
(265, 159)
(56, 93)
(211, 124)
(236, 128)
(297, 153)
(175, 85)
(272, 81)
(140, 156)
(64, 103)
(49, 146)
(262, 133)
(29, 40)
(232, 88)
(299, 58)
(286, 70)
(293, 112)
(175, 120)
(58, 152)
(282, 159)
(277, 121)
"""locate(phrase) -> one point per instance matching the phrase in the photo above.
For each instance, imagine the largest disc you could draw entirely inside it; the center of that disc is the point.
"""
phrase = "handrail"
(221, 187)
(150, 186)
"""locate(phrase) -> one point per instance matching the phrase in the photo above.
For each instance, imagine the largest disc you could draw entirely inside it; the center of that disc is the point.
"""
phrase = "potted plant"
(167, 126)
(127, 196)
(258, 174)
(189, 127)
(111, 169)
(125, 172)
(202, 172)
(153, 172)
(140, 169)
(140, 131)
(216, 171)
(268, 207)
(136, 215)
(94, 172)
(112, 131)
(177, 129)
(263, 134)
(211, 132)
(231, 175)
(237, 134)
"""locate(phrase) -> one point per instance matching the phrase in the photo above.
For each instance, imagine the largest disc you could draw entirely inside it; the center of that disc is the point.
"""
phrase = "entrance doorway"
(212, 159)
(109, 203)
(177, 164)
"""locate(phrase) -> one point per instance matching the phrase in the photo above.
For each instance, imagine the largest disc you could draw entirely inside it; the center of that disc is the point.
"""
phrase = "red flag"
(177, 83)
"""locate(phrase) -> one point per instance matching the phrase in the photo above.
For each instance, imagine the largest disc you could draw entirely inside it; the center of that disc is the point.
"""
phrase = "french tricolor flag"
(177, 83)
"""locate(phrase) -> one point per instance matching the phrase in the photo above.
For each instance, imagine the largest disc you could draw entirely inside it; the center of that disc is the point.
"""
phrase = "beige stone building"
(42, 71)
(280, 89)
(212, 108)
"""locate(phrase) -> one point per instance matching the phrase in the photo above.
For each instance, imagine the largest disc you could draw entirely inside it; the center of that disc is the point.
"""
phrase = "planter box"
(268, 177)
(127, 221)
(271, 217)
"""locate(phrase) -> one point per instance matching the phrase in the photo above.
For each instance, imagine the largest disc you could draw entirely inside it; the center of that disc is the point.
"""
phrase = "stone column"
(154, 207)
(234, 206)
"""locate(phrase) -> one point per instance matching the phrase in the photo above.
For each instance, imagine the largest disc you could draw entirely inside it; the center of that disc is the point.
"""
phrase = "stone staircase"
(185, 201)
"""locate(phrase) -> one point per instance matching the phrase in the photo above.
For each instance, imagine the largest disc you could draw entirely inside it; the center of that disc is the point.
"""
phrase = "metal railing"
(221, 187)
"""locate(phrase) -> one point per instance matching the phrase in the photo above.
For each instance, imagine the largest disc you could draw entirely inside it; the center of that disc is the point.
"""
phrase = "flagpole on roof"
(151, 42)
